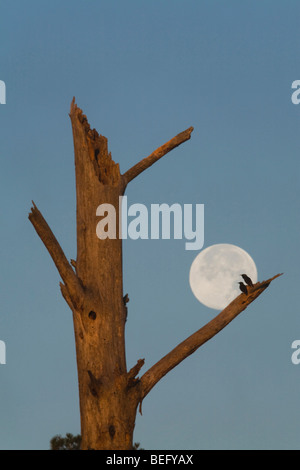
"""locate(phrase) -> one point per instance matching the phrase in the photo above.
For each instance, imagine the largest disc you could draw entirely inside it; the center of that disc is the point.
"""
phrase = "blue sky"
(143, 71)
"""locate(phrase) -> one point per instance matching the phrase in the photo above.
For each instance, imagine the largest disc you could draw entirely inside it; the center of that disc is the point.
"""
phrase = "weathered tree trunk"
(107, 419)
(109, 394)
(108, 401)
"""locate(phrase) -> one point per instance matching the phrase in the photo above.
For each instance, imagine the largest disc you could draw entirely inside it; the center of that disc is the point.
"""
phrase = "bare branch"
(197, 339)
(73, 289)
(156, 155)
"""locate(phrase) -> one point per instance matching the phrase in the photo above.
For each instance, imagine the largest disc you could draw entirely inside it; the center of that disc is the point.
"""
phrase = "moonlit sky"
(143, 71)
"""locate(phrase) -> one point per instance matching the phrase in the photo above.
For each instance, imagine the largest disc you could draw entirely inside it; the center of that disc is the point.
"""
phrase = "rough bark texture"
(106, 418)
(92, 287)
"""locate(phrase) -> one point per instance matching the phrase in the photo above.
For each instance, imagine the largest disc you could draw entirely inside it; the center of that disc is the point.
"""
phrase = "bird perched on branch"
(247, 280)
(243, 288)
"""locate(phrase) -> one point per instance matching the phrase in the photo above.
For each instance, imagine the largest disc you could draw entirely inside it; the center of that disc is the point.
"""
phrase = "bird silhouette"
(247, 280)
(243, 288)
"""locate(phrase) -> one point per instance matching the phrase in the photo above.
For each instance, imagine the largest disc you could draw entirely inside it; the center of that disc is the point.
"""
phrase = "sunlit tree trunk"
(92, 286)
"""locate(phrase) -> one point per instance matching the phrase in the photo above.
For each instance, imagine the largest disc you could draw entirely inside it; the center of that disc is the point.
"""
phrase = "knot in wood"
(92, 315)
(112, 431)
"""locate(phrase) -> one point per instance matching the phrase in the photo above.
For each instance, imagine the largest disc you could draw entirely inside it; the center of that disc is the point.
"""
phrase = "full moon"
(216, 271)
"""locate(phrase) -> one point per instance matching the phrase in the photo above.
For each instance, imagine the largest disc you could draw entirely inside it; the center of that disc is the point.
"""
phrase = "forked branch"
(73, 289)
(156, 155)
(197, 339)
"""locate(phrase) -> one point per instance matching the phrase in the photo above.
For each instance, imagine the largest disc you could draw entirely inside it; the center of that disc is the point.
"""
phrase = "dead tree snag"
(92, 286)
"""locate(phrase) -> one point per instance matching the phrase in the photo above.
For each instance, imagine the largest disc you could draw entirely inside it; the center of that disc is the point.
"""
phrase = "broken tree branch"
(72, 290)
(197, 339)
(131, 375)
(91, 151)
(156, 155)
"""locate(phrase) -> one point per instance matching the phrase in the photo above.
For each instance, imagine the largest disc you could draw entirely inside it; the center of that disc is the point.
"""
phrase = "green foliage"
(136, 446)
(69, 442)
